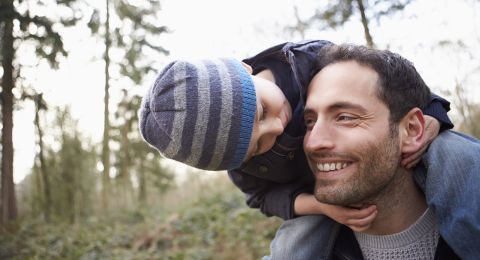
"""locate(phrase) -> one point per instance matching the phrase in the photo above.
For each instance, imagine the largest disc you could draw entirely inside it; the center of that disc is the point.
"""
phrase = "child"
(212, 115)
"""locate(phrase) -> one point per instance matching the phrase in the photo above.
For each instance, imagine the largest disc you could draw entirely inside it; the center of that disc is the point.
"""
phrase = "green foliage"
(211, 224)
(94, 23)
(95, 240)
(337, 13)
(133, 158)
(218, 226)
(133, 36)
(461, 98)
(469, 120)
(40, 30)
(71, 171)
(70, 163)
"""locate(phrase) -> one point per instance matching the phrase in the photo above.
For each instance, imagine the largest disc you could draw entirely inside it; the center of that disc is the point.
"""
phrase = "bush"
(213, 223)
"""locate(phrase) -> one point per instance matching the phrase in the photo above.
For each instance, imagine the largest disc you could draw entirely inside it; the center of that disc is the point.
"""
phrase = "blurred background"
(78, 182)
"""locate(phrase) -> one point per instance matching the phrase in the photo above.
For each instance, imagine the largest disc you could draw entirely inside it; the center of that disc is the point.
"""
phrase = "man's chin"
(334, 196)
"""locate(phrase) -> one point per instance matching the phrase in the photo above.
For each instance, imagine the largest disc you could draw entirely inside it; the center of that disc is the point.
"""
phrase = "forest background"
(78, 182)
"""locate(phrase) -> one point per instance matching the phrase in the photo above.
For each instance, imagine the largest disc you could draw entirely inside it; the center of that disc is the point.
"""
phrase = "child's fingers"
(413, 163)
(412, 159)
(361, 213)
(345, 214)
(407, 158)
(363, 222)
(359, 228)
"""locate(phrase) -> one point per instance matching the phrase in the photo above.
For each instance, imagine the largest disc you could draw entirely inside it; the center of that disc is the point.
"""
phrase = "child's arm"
(272, 198)
(358, 219)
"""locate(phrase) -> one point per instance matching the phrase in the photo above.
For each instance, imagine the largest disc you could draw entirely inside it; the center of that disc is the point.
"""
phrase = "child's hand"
(432, 127)
(357, 219)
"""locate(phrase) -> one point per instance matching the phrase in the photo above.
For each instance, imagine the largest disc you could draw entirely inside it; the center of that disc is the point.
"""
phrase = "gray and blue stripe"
(201, 113)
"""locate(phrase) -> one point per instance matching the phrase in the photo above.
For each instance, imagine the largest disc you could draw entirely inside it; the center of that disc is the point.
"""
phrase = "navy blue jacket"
(273, 180)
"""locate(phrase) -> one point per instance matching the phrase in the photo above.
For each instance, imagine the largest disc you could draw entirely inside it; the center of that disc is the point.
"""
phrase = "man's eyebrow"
(308, 111)
(347, 105)
(337, 106)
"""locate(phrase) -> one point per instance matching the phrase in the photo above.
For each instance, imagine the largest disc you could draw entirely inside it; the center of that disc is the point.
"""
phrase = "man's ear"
(412, 131)
(247, 67)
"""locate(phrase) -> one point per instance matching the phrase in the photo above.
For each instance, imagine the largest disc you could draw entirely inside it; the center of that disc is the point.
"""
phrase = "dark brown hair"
(400, 86)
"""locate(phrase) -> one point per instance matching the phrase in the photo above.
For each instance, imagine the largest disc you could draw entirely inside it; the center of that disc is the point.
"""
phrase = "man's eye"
(309, 122)
(346, 118)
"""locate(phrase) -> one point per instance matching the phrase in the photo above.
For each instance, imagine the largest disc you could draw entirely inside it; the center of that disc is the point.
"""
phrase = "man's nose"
(319, 138)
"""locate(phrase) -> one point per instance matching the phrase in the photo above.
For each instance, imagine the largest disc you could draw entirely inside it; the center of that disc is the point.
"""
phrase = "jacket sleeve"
(271, 198)
(438, 108)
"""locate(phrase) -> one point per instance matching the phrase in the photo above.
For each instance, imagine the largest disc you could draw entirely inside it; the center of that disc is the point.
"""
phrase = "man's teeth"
(325, 167)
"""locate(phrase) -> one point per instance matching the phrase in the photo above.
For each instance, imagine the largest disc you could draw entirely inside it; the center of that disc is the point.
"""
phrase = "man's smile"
(331, 166)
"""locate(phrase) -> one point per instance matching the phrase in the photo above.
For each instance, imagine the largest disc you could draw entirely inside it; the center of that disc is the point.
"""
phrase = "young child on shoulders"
(222, 114)
(215, 115)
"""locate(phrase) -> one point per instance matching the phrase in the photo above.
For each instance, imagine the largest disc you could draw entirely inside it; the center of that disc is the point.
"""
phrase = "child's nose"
(277, 127)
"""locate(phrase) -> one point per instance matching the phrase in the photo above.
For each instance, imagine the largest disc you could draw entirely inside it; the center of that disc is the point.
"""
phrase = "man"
(363, 110)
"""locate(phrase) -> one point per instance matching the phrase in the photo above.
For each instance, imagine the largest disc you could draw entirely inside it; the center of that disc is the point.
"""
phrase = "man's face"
(349, 145)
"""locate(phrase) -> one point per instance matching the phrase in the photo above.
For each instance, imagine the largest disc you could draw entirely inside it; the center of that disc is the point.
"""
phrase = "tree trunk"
(106, 122)
(8, 201)
(71, 196)
(37, 201)
(125, 165)
(67, 173)
(43, 171)
(142, 184)
(366, 30)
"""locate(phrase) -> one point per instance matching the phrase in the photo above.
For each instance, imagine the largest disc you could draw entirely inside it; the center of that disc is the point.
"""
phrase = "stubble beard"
(378, 167)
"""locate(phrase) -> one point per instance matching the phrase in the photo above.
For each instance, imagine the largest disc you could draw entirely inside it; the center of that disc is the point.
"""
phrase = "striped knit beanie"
(201, 113)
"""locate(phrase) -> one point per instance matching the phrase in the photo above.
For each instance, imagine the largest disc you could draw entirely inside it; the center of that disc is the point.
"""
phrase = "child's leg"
(306, 237)
(453, 190)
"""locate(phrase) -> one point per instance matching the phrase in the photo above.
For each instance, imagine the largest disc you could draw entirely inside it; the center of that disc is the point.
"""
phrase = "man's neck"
(399, 206)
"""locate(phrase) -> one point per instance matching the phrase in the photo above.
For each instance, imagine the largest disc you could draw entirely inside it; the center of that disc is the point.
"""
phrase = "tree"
(336, 13)
(132, 35)
(70, 161)
(466, 79)
(8, 201)
(125, 116)
(134, 158)
(106, 113)
(71, 165)
(40, 163)
(39, 31)
(469, 111)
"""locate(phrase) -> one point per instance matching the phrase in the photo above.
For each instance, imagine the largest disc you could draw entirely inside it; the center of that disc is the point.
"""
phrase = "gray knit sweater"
(419, 241)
